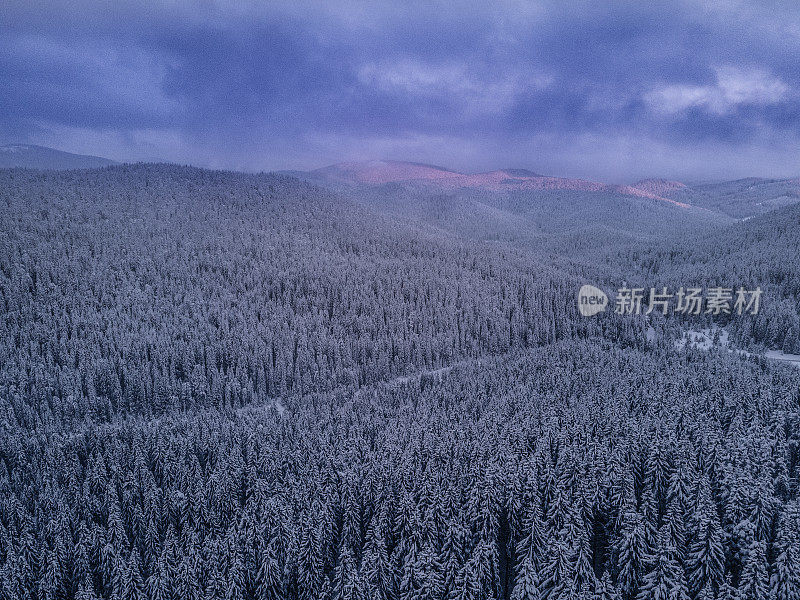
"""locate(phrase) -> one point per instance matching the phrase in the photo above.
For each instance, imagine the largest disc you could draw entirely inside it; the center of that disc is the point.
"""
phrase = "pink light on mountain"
(505, 180)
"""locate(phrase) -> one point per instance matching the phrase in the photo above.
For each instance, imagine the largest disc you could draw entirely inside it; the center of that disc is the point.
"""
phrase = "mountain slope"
(290, 287)
(741, 199)
(39, 157)
(515, 205)
(760, 252)
(430, 178)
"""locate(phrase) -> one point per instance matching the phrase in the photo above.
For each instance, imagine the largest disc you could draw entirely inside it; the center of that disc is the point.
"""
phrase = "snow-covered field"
(703, 339)
(793, 359)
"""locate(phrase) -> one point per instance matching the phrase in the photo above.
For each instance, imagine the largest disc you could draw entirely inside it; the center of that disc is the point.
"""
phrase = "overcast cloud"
(615, 91)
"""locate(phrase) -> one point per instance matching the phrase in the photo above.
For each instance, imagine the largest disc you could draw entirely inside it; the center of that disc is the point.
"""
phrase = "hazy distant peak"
(439, 179)
(30, 156)
(384, 171)
(14, 148)
(659, 187)
(521, 173)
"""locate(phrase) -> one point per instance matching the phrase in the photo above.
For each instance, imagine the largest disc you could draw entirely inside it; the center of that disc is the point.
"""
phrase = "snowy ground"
(703, 339)
(793, 359)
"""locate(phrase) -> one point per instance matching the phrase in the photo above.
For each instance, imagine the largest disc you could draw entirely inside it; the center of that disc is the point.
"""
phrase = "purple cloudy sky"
(614, 91)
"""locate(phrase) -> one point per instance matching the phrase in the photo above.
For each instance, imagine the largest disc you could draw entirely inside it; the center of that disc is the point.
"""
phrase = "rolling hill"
(422, 177)
(28, 156)
(515, 205)
(763, 251)
(740, 199)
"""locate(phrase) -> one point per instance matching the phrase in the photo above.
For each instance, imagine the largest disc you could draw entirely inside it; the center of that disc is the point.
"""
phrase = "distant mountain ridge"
(661, 187)
(439, 179)
(29, 156)
(512, 205)
(740, 198)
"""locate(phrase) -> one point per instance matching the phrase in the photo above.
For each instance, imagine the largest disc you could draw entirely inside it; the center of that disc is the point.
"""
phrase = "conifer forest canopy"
(220, 385)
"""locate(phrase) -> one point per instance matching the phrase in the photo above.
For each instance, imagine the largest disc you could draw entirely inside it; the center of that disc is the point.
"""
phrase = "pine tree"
(662, 580)
(785, 580)
(557, 578)
(132, 585)
(485, 569)
(531, 546)
(527, 584)
(706, 558)
(158, 584)
(268, 577)
(188, 585)
(633, 553)
(726, 590)
(375, 563)
(235, 588)
(605, 589)
(346, 585)
(754, 582)
(310, 566)
(584, 573)
(676, 525)
(215, 579)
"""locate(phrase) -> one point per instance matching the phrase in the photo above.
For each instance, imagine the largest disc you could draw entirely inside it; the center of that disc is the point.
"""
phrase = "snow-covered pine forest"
(227, 386)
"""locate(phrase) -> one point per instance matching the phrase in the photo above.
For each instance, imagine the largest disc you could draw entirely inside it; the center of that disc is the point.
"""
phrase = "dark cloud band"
(302, 84)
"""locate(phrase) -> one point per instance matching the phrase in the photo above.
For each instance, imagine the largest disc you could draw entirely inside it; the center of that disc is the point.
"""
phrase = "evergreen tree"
(662, 580)
(785, 580)
(633, 553)
(754, 582)
(706, 558)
